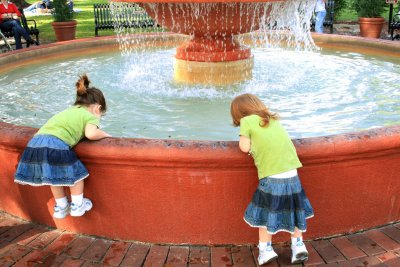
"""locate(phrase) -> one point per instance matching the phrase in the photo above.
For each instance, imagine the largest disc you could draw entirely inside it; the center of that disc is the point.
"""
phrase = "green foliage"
(340, 6)
(369, 8)
(62, 11)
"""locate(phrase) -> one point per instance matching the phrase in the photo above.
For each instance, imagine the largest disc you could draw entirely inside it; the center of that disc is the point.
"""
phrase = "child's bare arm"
(94, 133)
(244, 144)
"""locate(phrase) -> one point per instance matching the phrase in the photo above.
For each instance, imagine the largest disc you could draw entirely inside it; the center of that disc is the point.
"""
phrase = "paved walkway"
(27, 244)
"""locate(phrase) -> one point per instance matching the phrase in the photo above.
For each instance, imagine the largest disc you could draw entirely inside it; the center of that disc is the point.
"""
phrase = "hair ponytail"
(82, 85)
(86, 95)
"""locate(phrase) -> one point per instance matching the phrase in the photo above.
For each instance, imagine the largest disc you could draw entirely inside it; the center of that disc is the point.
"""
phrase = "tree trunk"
(21, 3)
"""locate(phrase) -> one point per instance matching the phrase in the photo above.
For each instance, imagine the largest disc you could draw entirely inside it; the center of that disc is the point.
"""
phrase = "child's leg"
(79, 204)
(267, 253)
(263, 235)
(59, 196)
(297, 233)
(58, 191)
(61, 208)
(299, 250)
(77, 192)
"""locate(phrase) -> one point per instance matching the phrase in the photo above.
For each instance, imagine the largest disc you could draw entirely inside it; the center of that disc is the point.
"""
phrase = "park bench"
(4, 44)
(28, 24)
(394, 23)
(127, 15)
(329, 18)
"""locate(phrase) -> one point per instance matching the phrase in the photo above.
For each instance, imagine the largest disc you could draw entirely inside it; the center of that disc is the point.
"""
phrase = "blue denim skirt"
(279, 204)
(47, 160)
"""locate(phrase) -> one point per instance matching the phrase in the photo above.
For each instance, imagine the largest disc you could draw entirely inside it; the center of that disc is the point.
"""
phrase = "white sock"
(264, 245)
(297, 239)
(77, 199)
(62, 202)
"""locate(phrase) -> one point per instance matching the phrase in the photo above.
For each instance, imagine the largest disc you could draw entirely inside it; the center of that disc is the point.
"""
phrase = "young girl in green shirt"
(49, 159)
(279, 203)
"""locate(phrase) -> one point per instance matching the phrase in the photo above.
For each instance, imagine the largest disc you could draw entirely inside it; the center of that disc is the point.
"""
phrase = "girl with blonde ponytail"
(49, 158)
(279, 202)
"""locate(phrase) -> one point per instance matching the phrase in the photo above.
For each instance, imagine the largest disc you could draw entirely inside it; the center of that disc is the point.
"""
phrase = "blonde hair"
(249, 104)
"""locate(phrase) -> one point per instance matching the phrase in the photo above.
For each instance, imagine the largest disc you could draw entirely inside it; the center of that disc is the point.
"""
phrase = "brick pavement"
(27, 244)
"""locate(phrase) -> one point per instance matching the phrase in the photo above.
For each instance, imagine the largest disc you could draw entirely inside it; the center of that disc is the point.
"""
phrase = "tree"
(340, 5)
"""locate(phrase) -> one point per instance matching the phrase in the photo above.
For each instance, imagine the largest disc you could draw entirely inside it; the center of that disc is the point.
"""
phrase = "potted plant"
(370, 16)
(64, 25)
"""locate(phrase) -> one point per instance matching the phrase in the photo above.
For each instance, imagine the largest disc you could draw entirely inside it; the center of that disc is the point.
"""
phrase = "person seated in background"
(9, 21)
(70, 4)
(44, 6)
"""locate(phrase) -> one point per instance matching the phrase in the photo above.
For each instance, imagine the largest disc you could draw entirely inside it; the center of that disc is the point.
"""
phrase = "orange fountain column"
(217, 61)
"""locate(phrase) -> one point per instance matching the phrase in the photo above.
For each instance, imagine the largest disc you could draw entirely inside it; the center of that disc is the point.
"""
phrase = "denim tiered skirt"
(47, 160)
(279, 204)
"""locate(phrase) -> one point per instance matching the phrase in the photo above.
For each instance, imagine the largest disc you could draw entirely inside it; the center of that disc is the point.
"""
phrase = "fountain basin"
(195, 192)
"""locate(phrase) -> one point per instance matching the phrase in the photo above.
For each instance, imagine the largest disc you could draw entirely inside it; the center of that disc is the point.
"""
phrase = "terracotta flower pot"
(64, 30)
(371, 27)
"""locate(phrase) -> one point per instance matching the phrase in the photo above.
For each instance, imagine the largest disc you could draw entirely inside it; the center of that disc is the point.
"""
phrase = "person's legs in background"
(319, 21)
(17, 29)
(32, 8)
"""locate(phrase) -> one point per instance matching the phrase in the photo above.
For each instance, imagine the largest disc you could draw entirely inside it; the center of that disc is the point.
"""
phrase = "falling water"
(286, 26)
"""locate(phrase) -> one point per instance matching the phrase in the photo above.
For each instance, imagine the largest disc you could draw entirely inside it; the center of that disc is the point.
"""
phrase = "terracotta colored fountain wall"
(195, 192)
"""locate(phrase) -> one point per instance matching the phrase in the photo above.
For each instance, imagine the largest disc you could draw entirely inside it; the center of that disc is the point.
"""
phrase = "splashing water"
(143, 101)
(281, 24)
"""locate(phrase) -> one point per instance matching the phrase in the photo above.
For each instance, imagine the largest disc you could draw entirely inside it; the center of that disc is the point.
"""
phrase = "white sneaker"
(299, 252)
(77, 211)
(61, 213)
(266, 255)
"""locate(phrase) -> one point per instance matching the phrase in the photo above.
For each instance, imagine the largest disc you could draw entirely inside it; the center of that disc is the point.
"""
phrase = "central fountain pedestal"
(212, 60)
(216, 73)
(212, 55)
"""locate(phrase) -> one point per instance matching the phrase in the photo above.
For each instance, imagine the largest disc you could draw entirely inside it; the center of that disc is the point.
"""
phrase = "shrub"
(369, 8)
(62, 11)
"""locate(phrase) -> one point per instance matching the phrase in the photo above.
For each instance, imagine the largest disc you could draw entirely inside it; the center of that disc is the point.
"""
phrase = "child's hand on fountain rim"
(92, 132)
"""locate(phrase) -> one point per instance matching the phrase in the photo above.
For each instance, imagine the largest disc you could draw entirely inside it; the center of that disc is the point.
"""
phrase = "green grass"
(85, 27)
(347, 15)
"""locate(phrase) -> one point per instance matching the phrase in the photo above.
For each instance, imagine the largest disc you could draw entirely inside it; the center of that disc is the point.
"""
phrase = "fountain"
(195, 192)
(212, 55)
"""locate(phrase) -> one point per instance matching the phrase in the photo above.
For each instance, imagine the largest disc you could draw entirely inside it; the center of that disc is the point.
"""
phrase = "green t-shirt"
(69, 125)
(271, 146)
